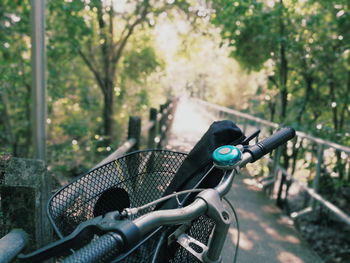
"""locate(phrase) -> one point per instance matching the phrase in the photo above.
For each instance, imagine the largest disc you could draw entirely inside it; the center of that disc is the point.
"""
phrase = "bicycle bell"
(226, 156)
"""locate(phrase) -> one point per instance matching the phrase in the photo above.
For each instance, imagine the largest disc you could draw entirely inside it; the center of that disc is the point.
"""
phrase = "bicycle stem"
(225, 185)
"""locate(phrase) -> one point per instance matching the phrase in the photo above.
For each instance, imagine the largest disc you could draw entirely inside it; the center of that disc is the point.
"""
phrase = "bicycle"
(193, 231)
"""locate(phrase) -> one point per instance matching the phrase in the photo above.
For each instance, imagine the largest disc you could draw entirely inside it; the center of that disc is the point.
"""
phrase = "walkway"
(266, 235)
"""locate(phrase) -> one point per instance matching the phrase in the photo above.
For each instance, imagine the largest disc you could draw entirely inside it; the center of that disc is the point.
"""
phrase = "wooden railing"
(280, 179)
(154, 129)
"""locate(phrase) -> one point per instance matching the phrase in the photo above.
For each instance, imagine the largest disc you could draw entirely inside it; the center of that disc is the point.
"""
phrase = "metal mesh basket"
(140, 178)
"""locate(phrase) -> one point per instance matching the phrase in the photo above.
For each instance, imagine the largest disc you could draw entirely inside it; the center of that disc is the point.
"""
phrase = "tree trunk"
(338, 122)
(6, 120)
(333, 100)
(108, 113)
(283, 77)
(283, 70)
(272, 101)
(28, 142)
(283, 81)
(272, 107)
(344, 110)
(309, 81)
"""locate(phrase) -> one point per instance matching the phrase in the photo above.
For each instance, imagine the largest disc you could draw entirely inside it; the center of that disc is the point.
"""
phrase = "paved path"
(266, 235)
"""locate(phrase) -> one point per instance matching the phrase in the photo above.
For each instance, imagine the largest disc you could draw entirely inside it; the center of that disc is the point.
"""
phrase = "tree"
(258, 33)
(305, 44)
(304, 47)
(99, 32)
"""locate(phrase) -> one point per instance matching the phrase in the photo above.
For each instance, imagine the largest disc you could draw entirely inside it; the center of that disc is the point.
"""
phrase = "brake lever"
(84, 231)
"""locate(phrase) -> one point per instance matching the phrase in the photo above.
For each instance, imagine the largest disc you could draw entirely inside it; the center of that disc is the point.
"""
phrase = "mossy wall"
(24, 190)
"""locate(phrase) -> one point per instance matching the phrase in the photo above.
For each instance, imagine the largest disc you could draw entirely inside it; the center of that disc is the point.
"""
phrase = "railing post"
(316, 181)
(162, 107)
(169, 115)
(245, 123)
(275, 168)
(161, 126)
(153, 130)
(283, 178)
(134, 131)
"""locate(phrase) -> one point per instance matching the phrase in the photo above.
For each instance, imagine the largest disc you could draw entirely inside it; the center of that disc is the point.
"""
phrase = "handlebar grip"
(270, 143)
(103, 249)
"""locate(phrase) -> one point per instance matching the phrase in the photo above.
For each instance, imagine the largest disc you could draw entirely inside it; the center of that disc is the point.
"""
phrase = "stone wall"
(25, 186)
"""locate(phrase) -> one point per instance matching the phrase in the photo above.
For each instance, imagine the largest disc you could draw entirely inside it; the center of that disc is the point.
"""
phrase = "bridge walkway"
(266, 235)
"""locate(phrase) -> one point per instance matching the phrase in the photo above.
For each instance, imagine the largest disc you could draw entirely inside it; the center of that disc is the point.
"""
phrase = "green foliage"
(95, 51)
(100, 34)
(14, 77)
(250, 29)
(103, 64)
(304, 48)
(140, 63)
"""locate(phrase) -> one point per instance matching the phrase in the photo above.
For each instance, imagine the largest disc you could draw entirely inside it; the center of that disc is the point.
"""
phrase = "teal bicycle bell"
(227, 155)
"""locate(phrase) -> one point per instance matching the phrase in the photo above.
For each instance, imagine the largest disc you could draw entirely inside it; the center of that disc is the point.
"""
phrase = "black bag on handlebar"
(199, 160)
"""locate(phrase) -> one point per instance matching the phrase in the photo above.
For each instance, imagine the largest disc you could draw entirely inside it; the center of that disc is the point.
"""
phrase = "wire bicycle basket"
(129, 181)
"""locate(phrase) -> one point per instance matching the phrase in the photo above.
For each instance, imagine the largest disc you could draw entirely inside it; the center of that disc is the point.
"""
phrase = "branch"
(91, 67)
(91, 50)
(111, 28)
(88, 61)
(129, 30)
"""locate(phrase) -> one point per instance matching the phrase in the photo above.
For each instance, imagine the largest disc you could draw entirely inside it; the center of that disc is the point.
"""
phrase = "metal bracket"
(178, 232)
(186, 241)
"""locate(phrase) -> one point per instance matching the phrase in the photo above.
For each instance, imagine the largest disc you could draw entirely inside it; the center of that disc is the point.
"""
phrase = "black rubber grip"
(270, 143)
(103, 249)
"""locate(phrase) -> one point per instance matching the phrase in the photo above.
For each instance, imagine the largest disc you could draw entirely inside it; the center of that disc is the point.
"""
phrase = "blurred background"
(72, 73)
(287, 61)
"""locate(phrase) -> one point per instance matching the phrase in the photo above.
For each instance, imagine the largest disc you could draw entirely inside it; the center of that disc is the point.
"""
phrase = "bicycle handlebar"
(270, 143)
(102, 249)
(112, 244)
